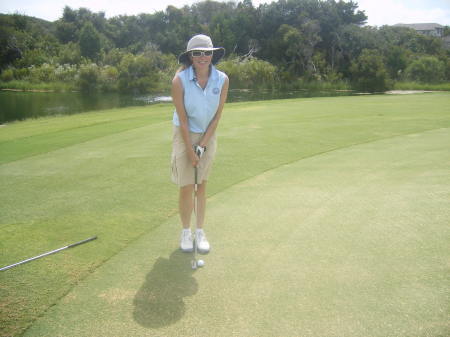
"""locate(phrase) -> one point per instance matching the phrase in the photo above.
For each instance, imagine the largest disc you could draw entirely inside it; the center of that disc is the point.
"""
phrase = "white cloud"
(380, 12)
(389, 12)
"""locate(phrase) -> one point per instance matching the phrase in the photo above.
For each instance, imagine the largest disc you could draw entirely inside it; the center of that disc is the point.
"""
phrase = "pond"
(20, 105)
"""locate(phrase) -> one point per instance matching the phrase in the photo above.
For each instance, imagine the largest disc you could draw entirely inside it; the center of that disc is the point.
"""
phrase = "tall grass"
(41, 86)
(422, 86)
(317, 85)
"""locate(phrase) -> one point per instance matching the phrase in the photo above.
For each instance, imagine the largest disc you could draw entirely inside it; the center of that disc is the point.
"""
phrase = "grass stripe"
(39, 143)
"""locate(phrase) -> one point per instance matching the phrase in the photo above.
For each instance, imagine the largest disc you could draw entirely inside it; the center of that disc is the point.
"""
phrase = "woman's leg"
(200, 237)
(201, 204)
(186, 205)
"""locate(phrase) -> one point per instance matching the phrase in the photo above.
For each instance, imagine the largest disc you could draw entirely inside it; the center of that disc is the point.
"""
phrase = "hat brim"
(219, 52)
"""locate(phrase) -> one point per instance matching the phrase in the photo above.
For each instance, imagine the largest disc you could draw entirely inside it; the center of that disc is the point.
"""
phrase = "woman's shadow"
(159, 301)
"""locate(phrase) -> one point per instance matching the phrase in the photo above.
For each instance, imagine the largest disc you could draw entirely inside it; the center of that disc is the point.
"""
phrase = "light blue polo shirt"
(200, 104)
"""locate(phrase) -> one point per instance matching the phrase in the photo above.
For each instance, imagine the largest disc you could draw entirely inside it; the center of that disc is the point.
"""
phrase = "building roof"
(420, 26)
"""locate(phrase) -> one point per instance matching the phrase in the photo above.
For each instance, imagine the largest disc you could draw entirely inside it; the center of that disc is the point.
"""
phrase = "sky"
(380, 12)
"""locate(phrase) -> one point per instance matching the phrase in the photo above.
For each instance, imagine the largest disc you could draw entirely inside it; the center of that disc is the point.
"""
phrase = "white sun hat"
(201, 42)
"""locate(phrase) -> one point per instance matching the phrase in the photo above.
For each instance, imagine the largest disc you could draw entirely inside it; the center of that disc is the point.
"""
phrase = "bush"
(66, 73)
(427, 69)
(368, 72)
(447, 69)
(108, 78)
(396, 61)
(7, 75)
(88, 78)
(43, 73)
(113, 57)
(137, 74)
(249, 73)
(70, 54)
(32, 57)
(21, 73)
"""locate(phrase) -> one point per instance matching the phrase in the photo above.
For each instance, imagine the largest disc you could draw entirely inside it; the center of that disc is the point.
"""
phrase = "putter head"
(194, 264)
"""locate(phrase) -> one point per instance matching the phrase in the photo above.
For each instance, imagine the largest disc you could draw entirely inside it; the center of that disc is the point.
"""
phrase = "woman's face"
(201, 59)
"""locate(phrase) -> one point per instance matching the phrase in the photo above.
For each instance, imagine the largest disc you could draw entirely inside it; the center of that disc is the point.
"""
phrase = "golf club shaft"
(195, 211)
(48, 253)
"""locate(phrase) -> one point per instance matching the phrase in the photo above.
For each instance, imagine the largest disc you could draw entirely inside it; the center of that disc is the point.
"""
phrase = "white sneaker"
(201, 241)
(187, 243)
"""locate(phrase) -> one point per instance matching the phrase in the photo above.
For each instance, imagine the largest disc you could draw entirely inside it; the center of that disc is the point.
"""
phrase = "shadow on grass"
(159, 302)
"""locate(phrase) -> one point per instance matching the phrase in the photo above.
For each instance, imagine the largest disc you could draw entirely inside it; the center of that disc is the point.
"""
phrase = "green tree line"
(284, 44)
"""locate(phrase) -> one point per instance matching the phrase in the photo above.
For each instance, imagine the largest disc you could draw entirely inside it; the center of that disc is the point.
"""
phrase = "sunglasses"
(198, 53)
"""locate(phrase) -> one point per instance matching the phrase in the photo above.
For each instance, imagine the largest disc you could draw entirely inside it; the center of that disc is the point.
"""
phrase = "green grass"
(106, 173)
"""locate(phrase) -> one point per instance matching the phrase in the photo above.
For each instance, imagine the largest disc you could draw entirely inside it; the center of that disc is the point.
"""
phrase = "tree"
(311, 37)
(426, 69)
(368, 72)
(333, 17)
(291, 45)
(396, 61)
(89, 41)
(352, 41)
(66, 32)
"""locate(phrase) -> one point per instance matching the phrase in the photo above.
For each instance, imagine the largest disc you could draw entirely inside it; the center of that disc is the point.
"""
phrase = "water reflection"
(242, 95)
(23, 105)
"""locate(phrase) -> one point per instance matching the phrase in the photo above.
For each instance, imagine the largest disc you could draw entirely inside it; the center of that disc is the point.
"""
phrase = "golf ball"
(200, 263)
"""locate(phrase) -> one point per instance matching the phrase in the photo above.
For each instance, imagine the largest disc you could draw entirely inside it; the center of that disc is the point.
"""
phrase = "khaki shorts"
(182, 170)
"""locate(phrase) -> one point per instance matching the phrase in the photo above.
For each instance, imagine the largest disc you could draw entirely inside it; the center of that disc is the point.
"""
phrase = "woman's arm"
(215, 121)
(178, 101)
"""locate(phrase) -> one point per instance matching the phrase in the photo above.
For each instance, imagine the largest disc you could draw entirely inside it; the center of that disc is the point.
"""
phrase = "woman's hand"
(193, 157)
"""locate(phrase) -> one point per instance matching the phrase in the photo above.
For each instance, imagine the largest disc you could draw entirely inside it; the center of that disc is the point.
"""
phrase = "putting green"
(352, 242)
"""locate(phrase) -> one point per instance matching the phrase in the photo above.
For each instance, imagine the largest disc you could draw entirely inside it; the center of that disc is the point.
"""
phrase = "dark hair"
(184, 65)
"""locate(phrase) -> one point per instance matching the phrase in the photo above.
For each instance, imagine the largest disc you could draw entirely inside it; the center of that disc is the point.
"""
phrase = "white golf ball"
(200, 263)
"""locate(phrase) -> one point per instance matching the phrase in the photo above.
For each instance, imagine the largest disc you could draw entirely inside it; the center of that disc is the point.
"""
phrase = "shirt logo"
(216, 91)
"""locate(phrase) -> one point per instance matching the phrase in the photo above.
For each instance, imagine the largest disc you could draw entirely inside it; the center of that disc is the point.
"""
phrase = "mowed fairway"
(327, 217)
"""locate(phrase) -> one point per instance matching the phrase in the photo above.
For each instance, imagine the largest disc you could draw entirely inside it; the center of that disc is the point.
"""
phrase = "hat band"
(202, 48)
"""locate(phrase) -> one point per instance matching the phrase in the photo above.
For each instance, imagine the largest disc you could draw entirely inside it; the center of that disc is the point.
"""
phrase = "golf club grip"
(81, 242)
(196, 175)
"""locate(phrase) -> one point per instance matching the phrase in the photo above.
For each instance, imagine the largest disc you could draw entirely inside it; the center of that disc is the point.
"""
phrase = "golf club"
(48, 253)
(200, 263)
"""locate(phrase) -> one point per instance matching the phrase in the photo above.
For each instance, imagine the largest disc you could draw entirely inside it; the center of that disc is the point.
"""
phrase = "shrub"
(447, 69)
(249, 73)
(21, 73)
(427, 69)
(368, 72)
(137, 74)
(66, 73)
(43, 73)
(108, 78)
(70, 54)
(7, 75)
(30, 57)
(88, 78)
(113, 57)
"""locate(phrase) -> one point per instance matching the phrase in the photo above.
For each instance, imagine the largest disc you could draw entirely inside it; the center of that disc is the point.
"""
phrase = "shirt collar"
(212, 76)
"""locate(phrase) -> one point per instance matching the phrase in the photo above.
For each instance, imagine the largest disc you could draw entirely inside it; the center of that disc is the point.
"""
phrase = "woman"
(199, 92)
